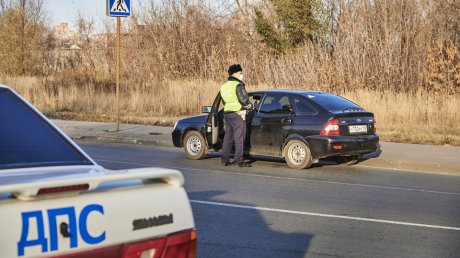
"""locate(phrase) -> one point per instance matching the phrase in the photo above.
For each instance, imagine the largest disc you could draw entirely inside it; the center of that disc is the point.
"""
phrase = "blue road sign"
(118, 8)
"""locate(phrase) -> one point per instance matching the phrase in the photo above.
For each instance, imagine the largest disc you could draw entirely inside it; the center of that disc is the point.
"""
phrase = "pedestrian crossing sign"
(118, 8)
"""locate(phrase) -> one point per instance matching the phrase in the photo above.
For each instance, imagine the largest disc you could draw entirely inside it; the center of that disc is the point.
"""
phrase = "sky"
(68, 10)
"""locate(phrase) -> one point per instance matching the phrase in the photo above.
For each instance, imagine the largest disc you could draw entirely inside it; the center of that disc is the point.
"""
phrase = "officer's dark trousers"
(235, 131)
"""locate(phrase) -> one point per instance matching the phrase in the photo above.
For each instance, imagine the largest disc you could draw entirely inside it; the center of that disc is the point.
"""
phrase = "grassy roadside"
(388, 133)
(419, 117)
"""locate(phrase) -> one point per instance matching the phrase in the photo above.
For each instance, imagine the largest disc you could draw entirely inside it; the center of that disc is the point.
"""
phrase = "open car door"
(214, 124)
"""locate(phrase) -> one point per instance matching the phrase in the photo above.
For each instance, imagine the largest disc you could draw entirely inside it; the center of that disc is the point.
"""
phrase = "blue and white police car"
(55, 201)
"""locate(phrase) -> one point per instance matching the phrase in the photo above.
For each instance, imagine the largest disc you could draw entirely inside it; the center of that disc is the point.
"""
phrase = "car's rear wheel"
(297, 154)
(195, 145)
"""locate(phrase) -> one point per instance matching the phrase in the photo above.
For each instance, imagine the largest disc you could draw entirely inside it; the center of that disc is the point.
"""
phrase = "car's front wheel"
(195, 145)
(297, 154)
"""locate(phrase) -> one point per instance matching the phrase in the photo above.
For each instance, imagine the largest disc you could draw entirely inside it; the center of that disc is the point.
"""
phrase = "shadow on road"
(243, 231)
(274, 161)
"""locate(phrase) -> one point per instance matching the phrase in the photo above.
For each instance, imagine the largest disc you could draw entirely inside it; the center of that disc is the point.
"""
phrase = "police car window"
(302, 107)
(276, 104)
(26, 140)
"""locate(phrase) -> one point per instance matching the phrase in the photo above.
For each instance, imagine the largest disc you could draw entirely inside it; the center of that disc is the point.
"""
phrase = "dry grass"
(399, 59)
(416, 118)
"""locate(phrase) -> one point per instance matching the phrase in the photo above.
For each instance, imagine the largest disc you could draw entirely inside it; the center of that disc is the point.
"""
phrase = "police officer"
(236, 103)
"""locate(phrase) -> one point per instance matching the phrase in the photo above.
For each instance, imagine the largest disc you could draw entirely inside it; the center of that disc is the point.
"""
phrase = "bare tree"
(2, 6)
(23, 33)
(85, 26)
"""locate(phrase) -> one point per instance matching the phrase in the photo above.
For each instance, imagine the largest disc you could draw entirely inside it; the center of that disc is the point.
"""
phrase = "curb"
(124, 140)
(431, 168)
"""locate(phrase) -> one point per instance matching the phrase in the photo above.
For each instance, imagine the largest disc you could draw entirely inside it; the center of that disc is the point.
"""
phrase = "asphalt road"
(329, 210)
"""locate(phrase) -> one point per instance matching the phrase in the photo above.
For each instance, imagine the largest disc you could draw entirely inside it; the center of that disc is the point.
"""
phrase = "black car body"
(301, 126)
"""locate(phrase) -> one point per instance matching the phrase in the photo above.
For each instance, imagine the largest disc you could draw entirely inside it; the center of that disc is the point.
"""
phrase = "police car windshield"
(27, 140)
(331, 102)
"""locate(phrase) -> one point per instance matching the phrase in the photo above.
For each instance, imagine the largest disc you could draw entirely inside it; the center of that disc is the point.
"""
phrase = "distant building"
(67, 53)
(63, 32)
(75, 47)
(102, 40)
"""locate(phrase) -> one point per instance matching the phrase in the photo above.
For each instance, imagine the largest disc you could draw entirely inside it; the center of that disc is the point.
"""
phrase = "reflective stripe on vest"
(228, 94)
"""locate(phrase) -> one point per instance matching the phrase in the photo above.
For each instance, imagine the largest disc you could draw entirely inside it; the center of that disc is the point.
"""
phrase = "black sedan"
(301, 126)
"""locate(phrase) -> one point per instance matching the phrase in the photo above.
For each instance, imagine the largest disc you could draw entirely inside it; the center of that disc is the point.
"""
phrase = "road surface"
(329, 210)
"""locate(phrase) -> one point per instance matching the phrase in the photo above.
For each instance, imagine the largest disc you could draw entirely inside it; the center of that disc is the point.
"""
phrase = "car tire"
(297, 154)
(194, 145)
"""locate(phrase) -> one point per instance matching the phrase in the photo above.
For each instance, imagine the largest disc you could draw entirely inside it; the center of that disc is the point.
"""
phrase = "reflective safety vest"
(228, 94)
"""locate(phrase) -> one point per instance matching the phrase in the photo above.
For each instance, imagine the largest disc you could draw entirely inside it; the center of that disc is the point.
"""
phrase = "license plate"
(357, 128)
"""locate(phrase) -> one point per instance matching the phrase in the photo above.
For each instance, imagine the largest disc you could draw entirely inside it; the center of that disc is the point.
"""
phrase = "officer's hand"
(249, 106)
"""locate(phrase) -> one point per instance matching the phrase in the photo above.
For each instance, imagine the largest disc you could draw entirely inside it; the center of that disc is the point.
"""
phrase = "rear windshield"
(332, 102)
(26, 140)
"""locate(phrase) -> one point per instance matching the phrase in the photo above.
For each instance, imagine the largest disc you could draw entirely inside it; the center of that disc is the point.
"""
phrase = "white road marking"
(287, 178)
(404, 170)
(324, 215)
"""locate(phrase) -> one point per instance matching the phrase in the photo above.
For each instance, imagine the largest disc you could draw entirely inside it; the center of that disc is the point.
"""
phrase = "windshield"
(26, 140)
(333, 103)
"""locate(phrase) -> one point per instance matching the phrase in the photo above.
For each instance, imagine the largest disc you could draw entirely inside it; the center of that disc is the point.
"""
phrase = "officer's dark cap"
(234, 69)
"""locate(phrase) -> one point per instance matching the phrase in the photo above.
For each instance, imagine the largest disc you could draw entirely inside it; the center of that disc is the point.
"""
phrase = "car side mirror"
(206, 109)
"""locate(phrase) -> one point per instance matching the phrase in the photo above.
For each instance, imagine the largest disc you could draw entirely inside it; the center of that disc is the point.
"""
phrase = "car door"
(214, 123)
(271, 123)
(307, 121)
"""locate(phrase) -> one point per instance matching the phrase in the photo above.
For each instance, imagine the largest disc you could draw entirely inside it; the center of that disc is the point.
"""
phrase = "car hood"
(195, 119)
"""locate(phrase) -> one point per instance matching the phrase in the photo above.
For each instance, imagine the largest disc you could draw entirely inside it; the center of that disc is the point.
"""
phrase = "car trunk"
(81, 213)
(355, 123)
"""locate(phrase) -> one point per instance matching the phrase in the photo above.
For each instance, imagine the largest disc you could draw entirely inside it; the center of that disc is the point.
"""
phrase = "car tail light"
(60, 189)
(374, 129)
(111, 251)
(179, 245)
(331, 128)
(145, 249)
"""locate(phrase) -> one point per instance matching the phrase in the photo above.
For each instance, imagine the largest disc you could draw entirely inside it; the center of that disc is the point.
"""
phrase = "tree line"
(334, 45)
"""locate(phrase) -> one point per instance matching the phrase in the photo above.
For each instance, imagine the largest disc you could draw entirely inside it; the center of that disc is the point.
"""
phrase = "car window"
(276, 104)
(303, 107)
(26, 140)
(332, 102)
(255, 100)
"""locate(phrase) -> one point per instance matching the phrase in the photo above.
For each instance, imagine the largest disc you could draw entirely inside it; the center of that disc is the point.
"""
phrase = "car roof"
(299, 92)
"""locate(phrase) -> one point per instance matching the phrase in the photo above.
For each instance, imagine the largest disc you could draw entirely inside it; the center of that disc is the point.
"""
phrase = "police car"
(55, 201)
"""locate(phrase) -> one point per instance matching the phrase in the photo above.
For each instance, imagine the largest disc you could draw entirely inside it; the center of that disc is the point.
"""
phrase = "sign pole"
(118, 8)
(118, 75)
